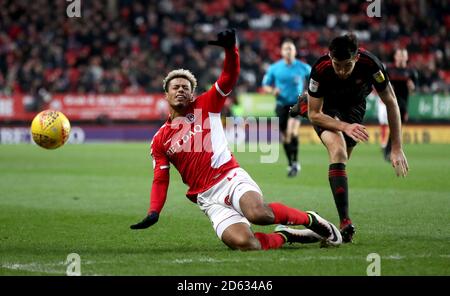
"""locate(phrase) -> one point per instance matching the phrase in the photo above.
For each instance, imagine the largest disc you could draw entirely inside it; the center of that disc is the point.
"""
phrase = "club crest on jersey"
(313, 85)
(227, 200)
(190, 118)
(379, 76)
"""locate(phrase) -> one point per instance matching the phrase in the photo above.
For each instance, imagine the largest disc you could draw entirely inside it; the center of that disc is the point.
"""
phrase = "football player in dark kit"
(339, 84)
(402, 79)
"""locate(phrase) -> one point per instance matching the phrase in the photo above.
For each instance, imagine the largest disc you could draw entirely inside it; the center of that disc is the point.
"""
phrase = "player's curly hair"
(180, 73)
(344, 47)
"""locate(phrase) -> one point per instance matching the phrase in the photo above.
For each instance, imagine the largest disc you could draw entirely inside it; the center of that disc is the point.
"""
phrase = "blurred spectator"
(128, 46)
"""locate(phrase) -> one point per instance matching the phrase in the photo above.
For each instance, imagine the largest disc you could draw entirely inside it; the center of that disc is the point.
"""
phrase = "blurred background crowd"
(128, 46)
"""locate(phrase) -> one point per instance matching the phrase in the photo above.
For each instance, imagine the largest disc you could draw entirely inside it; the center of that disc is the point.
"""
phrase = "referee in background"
(285, 79)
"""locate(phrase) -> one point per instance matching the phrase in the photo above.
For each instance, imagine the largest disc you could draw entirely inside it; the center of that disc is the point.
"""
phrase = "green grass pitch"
(82, 198)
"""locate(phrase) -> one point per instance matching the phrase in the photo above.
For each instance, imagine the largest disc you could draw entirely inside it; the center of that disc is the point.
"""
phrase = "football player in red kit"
(193, 140)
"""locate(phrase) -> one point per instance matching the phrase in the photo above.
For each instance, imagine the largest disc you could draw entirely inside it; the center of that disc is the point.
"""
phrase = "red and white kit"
(196, 145)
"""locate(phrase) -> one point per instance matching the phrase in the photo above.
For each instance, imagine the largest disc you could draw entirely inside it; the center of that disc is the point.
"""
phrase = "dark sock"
(339, 187)
(294, 149)
(287, 150)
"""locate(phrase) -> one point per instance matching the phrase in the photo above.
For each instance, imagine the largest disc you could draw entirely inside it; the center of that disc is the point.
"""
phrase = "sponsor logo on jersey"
(379, 76)
(313, 85)
(177, 147)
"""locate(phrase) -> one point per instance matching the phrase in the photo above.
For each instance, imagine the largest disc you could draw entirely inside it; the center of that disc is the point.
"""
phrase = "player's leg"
(239, 236)
(253, 207)
(346, 226)
(404, 112)
(285, 138)
(235, 230)
(221, 204)
(336, 146)
(338, 156)
(237, 199)
(231, 227)
(292, 130)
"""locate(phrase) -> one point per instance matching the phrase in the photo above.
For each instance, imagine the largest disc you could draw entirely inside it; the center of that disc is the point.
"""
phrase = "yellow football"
(50, 129)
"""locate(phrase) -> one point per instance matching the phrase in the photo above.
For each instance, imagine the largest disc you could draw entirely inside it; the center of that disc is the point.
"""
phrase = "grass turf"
(82, 199)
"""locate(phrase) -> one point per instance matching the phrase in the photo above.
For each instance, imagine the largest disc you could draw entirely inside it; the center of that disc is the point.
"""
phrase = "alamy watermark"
(73, 263)
(374, 8)
(197, 132)
(374, 268)
(74, 8)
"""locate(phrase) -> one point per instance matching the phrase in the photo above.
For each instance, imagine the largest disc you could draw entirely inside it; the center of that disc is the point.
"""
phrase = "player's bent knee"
(338, 155)
(260, 215)
(240, 237)
(245, 244)
(255, 210)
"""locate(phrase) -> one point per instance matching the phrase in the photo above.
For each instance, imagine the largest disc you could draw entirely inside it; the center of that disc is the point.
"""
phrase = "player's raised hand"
(225, 39)
(148, 221)
(357, 132)
(399, 162)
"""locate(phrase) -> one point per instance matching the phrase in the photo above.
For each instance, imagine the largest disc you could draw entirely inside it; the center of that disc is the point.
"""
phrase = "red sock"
(288, 216)
(270, 240)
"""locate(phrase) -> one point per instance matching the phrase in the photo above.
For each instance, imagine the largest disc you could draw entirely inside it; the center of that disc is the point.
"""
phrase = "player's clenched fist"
(357, 132)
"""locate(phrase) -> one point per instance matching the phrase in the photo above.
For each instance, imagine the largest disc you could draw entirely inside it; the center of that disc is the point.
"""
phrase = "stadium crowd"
(129, 46)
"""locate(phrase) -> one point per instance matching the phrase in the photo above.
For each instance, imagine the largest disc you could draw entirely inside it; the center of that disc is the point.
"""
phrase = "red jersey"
(195, 144)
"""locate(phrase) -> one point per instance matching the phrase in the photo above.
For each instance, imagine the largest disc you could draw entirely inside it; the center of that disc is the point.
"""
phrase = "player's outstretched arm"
(398, 158)
(356, 131)
(160, 185)
(158, 197)
(231, 64)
